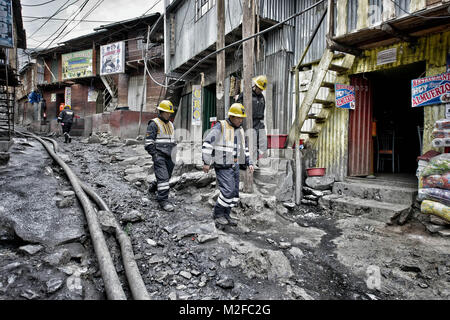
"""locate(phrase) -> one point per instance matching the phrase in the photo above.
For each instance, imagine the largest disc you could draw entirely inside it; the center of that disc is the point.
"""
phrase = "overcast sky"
(108, 11)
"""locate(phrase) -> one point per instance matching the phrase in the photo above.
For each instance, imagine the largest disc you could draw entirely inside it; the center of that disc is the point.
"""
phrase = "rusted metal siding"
(332, 151)
(360, 143)
(432, 49)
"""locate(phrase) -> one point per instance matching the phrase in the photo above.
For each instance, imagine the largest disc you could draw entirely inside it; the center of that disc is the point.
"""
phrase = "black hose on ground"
(137, 286)
(114, 290)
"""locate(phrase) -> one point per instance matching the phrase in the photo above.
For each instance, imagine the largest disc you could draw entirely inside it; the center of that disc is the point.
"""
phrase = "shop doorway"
(397, 136)
(385, 132)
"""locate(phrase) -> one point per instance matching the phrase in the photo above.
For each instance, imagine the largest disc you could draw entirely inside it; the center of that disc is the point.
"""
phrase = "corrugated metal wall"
(305, 25)
(332, 151)
(135, 97)
(375, 11)
(401, 6)
(352, 15)
(277, 69)
(360, 143)
(277, 10)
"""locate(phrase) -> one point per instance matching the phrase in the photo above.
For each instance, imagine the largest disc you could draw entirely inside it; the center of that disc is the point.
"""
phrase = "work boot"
(70, 139)
(231, 222)
(221, 220)
(167, 207)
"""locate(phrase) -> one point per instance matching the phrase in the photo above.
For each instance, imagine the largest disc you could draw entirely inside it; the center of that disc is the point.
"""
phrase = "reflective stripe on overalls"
(163, 166)
(228, 179)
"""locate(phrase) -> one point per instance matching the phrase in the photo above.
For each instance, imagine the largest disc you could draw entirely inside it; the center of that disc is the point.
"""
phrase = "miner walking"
(66, 119)
(225, 148)
(161, 145)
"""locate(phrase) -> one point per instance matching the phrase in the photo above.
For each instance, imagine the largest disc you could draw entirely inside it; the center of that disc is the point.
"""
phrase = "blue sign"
(345, 96)
(6, 28)
(430, 90)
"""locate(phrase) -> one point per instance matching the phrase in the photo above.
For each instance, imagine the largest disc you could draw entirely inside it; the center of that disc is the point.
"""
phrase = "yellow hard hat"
(68, 106)
(237, 110)
(166, 106)
(261, 82)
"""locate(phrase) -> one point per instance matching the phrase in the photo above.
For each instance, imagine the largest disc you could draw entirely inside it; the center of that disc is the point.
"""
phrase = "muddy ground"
(274, 253)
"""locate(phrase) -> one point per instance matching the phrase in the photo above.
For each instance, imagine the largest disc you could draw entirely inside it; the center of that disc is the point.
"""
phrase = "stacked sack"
(441, 134)
(434, 187)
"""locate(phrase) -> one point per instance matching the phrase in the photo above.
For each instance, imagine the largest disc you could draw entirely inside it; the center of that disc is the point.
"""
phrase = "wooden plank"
(337, 68)
(325, 103)
(314, 88)
(329, 85)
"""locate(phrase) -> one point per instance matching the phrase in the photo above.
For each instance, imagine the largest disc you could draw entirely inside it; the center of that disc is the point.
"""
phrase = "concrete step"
(408, 182)
(372, 209)
(378, 192)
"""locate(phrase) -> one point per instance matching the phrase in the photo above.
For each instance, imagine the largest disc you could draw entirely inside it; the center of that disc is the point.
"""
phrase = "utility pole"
(248, 57)
(220, 58)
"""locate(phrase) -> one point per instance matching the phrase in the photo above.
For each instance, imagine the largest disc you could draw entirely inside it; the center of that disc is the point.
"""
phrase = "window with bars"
(202, 7)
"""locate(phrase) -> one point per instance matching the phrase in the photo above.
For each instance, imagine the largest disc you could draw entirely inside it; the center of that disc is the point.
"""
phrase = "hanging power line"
(239, 42)
(64, 25)
(63, 7)
(99, 2)
(62, 19)
(418, 15)
(37, 5)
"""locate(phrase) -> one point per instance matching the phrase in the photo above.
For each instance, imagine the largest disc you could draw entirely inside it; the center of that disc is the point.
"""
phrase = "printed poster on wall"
(197, 105)
(77, 64)
(92, 95)
(53, 97)
(345, 96)
(6, 24)
(430, 90)
(68, 96)
(112, 58)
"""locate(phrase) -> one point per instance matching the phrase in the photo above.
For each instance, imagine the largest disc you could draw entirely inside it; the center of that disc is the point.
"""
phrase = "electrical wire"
(418, 15)
(239, 42)
(37, 5)
(99, 2)
(64, 25)
(56, 12)
(62, 19)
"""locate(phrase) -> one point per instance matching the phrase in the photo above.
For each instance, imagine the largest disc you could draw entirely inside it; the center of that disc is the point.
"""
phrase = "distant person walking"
(66, 119)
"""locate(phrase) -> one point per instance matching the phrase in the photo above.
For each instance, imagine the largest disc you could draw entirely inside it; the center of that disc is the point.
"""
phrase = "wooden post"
(248, 57)
(298, 175)
(144, 85)
(220, 76)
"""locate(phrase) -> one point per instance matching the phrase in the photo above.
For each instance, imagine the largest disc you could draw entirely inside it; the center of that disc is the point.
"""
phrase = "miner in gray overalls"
(225, 148)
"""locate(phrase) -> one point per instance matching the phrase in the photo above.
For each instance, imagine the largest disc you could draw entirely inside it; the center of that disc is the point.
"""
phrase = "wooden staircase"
(318, 81)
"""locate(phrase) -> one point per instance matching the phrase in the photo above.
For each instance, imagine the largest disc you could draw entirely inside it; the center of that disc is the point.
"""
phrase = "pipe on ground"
(137, 286)
(114, 290)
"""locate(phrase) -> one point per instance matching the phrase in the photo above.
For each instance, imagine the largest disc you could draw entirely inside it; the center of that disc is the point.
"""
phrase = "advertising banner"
(345, 96)
(6, 24)
(430, 90)
(112, 58)
(197, 105)
(77, 64)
